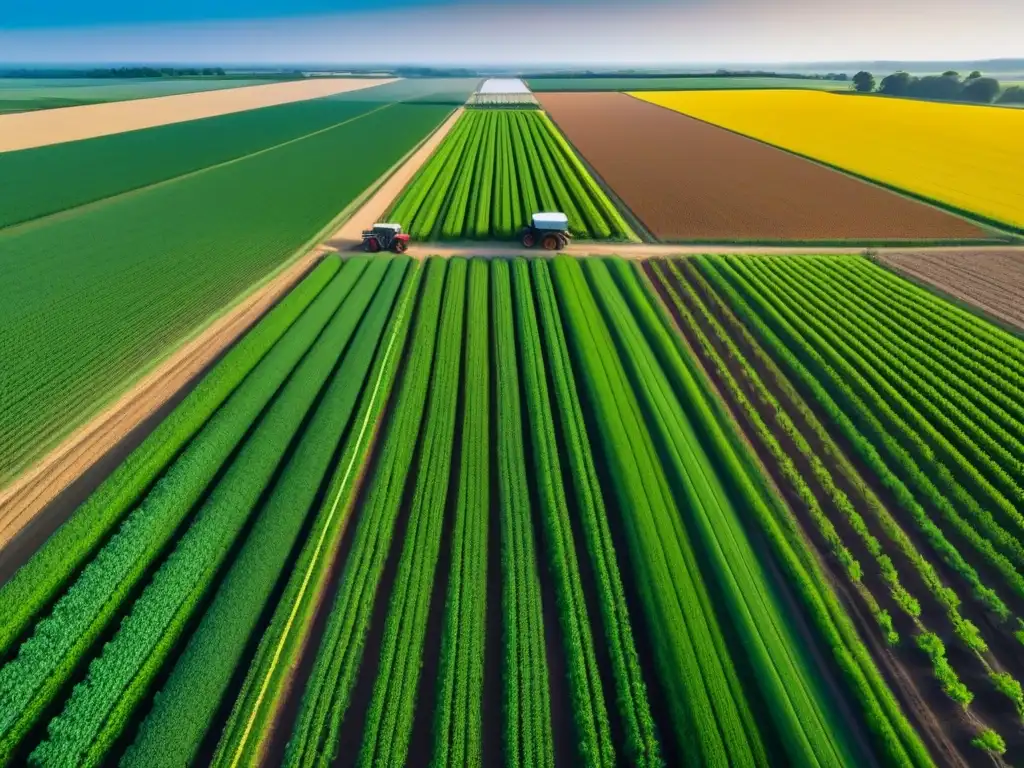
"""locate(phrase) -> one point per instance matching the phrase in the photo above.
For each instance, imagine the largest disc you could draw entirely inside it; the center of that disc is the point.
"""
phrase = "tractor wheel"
(528, 239)
(372, 245)
(400, 246)
(550, 242)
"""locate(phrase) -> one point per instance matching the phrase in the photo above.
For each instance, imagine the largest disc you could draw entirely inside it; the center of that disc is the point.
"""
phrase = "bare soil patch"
(688, 180)
(25, 130)
(107, 434)
(991, 280)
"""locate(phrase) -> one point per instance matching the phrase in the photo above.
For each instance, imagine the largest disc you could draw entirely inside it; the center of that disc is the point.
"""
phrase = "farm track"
(991, 280)
(26, 130)
(111, 435)
(723, 185)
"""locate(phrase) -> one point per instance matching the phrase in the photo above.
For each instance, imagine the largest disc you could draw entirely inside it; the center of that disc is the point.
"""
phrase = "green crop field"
(92, 296)
(474, 512)
(493, 171)
(639, 83)
(27, 94)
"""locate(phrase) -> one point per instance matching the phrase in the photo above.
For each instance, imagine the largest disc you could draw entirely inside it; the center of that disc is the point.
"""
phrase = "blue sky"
(502, 32)
(82, 13)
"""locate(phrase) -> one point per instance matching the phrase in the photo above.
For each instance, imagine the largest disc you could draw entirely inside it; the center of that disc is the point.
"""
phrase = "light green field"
(678, 83)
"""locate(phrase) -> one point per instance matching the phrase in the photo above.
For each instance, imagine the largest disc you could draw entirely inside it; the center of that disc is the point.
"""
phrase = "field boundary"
(1007, 231)
(963, 304)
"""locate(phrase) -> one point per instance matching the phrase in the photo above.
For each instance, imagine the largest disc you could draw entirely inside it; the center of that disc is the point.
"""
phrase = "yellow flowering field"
(968, 157)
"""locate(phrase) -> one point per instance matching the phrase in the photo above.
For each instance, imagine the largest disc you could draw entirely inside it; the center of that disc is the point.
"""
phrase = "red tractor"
(385, 237)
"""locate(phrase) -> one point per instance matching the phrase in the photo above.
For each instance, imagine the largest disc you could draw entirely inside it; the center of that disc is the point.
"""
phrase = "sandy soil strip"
(39, 485)
(52, 126)
(992, 280)
(350, 235)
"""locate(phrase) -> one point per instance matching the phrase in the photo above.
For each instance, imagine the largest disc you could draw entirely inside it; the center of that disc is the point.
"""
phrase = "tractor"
(551, 230)
(385, 237)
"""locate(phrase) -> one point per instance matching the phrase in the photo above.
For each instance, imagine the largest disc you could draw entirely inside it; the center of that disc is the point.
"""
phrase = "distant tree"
(974, 75)
(932, 87)
(864, 82)
(896, 84)
(951, 73)
(981, 90)
(1012, 95)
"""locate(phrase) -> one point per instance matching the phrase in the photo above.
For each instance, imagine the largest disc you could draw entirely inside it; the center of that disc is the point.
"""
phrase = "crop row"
(891, 424)
(60, 640)
(393, 703)
(675, 285)
(493, 171)
(458, 720)
(512, 469)
(328, 693)
(91, 298)
(875, 419)
(290, 627)
(187, 702)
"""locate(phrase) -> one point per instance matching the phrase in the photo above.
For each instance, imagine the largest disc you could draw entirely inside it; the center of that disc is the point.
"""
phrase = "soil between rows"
(689, 180)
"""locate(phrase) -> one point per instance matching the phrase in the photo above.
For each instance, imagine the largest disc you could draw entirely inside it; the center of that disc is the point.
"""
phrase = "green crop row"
(338, 658)
(594, 740)
(493, 171)
(821, 475)
(961, 462)
(37, 582)
(99, 708)
(392, 707)
(823, 395)
(184, 707)
(709, 714)
(282, 643)
(528, 737)
(995, 419)
(458, 717)
(879, 422)
(61, 640)
(890, 729)
(642, 748)
(93, 298)
(689, 435)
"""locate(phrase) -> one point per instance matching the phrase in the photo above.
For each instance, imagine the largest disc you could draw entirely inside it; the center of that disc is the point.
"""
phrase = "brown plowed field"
(688, 180)
(993, 281)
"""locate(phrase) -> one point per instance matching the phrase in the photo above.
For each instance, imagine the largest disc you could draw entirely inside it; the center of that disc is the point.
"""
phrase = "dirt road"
(25, 130)
(373, 210)
(495, 250)
(43, 482)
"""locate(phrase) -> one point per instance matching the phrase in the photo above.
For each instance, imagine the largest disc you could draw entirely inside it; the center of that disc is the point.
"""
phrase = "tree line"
(949, 86)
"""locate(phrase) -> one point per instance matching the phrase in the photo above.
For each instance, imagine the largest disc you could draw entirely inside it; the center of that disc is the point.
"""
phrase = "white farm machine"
(551, 230)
